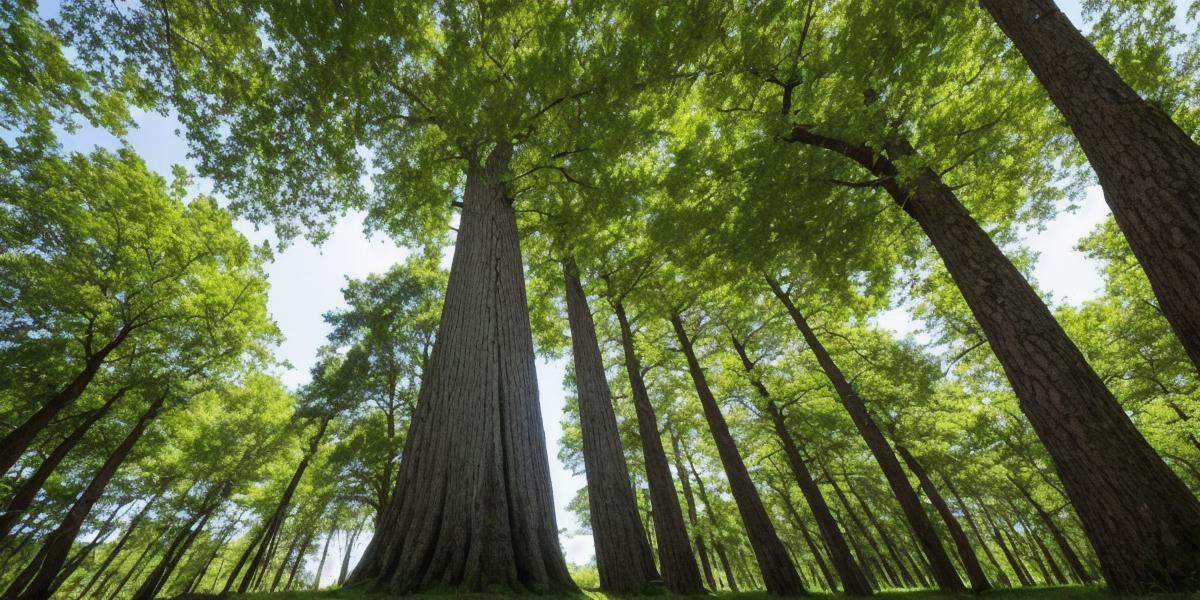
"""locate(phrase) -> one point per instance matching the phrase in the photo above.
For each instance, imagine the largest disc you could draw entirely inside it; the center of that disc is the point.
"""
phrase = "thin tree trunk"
(1055, 571)
(679, 571)
(473, 507)
(1009, 554)
(623, 556)
(259, 538)
(853, 581)
(883, 566)
(116, 550)
(81, 555)
(1105, 464)
(1001, 578)
(798, 523)
(275, 523)
(346, 556)
(779, 574)
(1060, 539)
(321, 565)
(979, 581)
(18, 440)
(943, 570)
(38, 577)
(712, 520)
(693, 514)
(906, 569)
(300, 552)
(183, 541)
(134, 569)
(723, 556)
(1148, 167)
(23, 496)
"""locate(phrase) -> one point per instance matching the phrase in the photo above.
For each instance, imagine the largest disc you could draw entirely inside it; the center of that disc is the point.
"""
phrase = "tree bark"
(1148, 167)
(473, 507)
(943, 570)
(37, 578)
(979, 581)
(693, 514)
(18, 440)
(1105, 464)
(853, 580)
(779, 574)
(25, 493)
(623, 556)
(679, 571)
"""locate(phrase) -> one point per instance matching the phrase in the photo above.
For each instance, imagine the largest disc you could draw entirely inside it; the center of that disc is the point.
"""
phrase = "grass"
(1044, 593)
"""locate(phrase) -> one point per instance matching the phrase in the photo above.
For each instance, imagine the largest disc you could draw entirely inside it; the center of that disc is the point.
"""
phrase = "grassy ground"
(1050, 593)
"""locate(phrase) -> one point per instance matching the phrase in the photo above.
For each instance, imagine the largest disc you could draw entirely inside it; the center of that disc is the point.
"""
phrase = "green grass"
(1047, 593)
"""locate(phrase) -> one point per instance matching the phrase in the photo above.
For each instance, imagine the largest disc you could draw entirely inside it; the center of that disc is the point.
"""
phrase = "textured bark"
(853, 581)
(693, 514)
(18, 440)
(679, 570)
(623, 556)
(975, 575)
(23, 496)
(1001, 578)
(473, 507)
(943, 570)
(1148, 167)
(779, 574)
(1142, 520)
(35, 581)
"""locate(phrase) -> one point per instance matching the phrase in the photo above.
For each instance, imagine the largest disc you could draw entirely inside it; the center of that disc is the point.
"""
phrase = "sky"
(306, 282)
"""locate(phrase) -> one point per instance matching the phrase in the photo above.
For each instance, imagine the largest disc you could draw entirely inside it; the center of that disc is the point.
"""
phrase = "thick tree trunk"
(472, 507)
(853, 581)
(1001, 578)
(979, 581)
(693, 514)
(1148, 167)
(679, 570)
(623, 556)
(83, 553)
(23, 496)
(779, 574)
(18, 440)
(1142, 520)
(943, 570)
(36, 580)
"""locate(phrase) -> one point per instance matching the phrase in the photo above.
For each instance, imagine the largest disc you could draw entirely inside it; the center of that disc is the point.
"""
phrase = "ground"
(1050, 593)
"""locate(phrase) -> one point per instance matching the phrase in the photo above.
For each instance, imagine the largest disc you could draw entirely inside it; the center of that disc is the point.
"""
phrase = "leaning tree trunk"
(472, 507)
(1140, 517)
(693, 514)
(1148, 167)
(679, 571)
(352, 536)
(778, 571)
(1001, 578)
(36, 580)
(943, 570)
(623, 556)
(25, 493)
(18, 440)
(1060, 539)
(979, 581)
(854, 582)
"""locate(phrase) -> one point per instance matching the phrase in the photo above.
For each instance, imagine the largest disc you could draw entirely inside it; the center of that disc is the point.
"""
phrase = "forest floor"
(1044, 593)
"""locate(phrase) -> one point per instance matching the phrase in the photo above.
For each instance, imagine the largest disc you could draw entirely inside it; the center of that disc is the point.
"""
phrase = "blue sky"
(306, 282)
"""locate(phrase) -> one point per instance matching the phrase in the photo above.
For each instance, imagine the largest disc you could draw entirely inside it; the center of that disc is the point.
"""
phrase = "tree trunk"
(345, 571)
(798, 523)
(907, 569)
(1073, 562)
(779, 574)
(182, 542)
(321, 565)
(693, 514)
(81, 555)
(1148, 167)
(1105, 464)
(116, 550)
(18, 440)
(473, 508)
(943, 570)
(979, 581)
(258, 538)
(1009, 554)
(35, 581)
(679, 571)
(275, 523)
(723, 556)
(301, 550)
(134, 570)
(1001, 578)
(853, 580)
(623, 556)
(25, 493)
